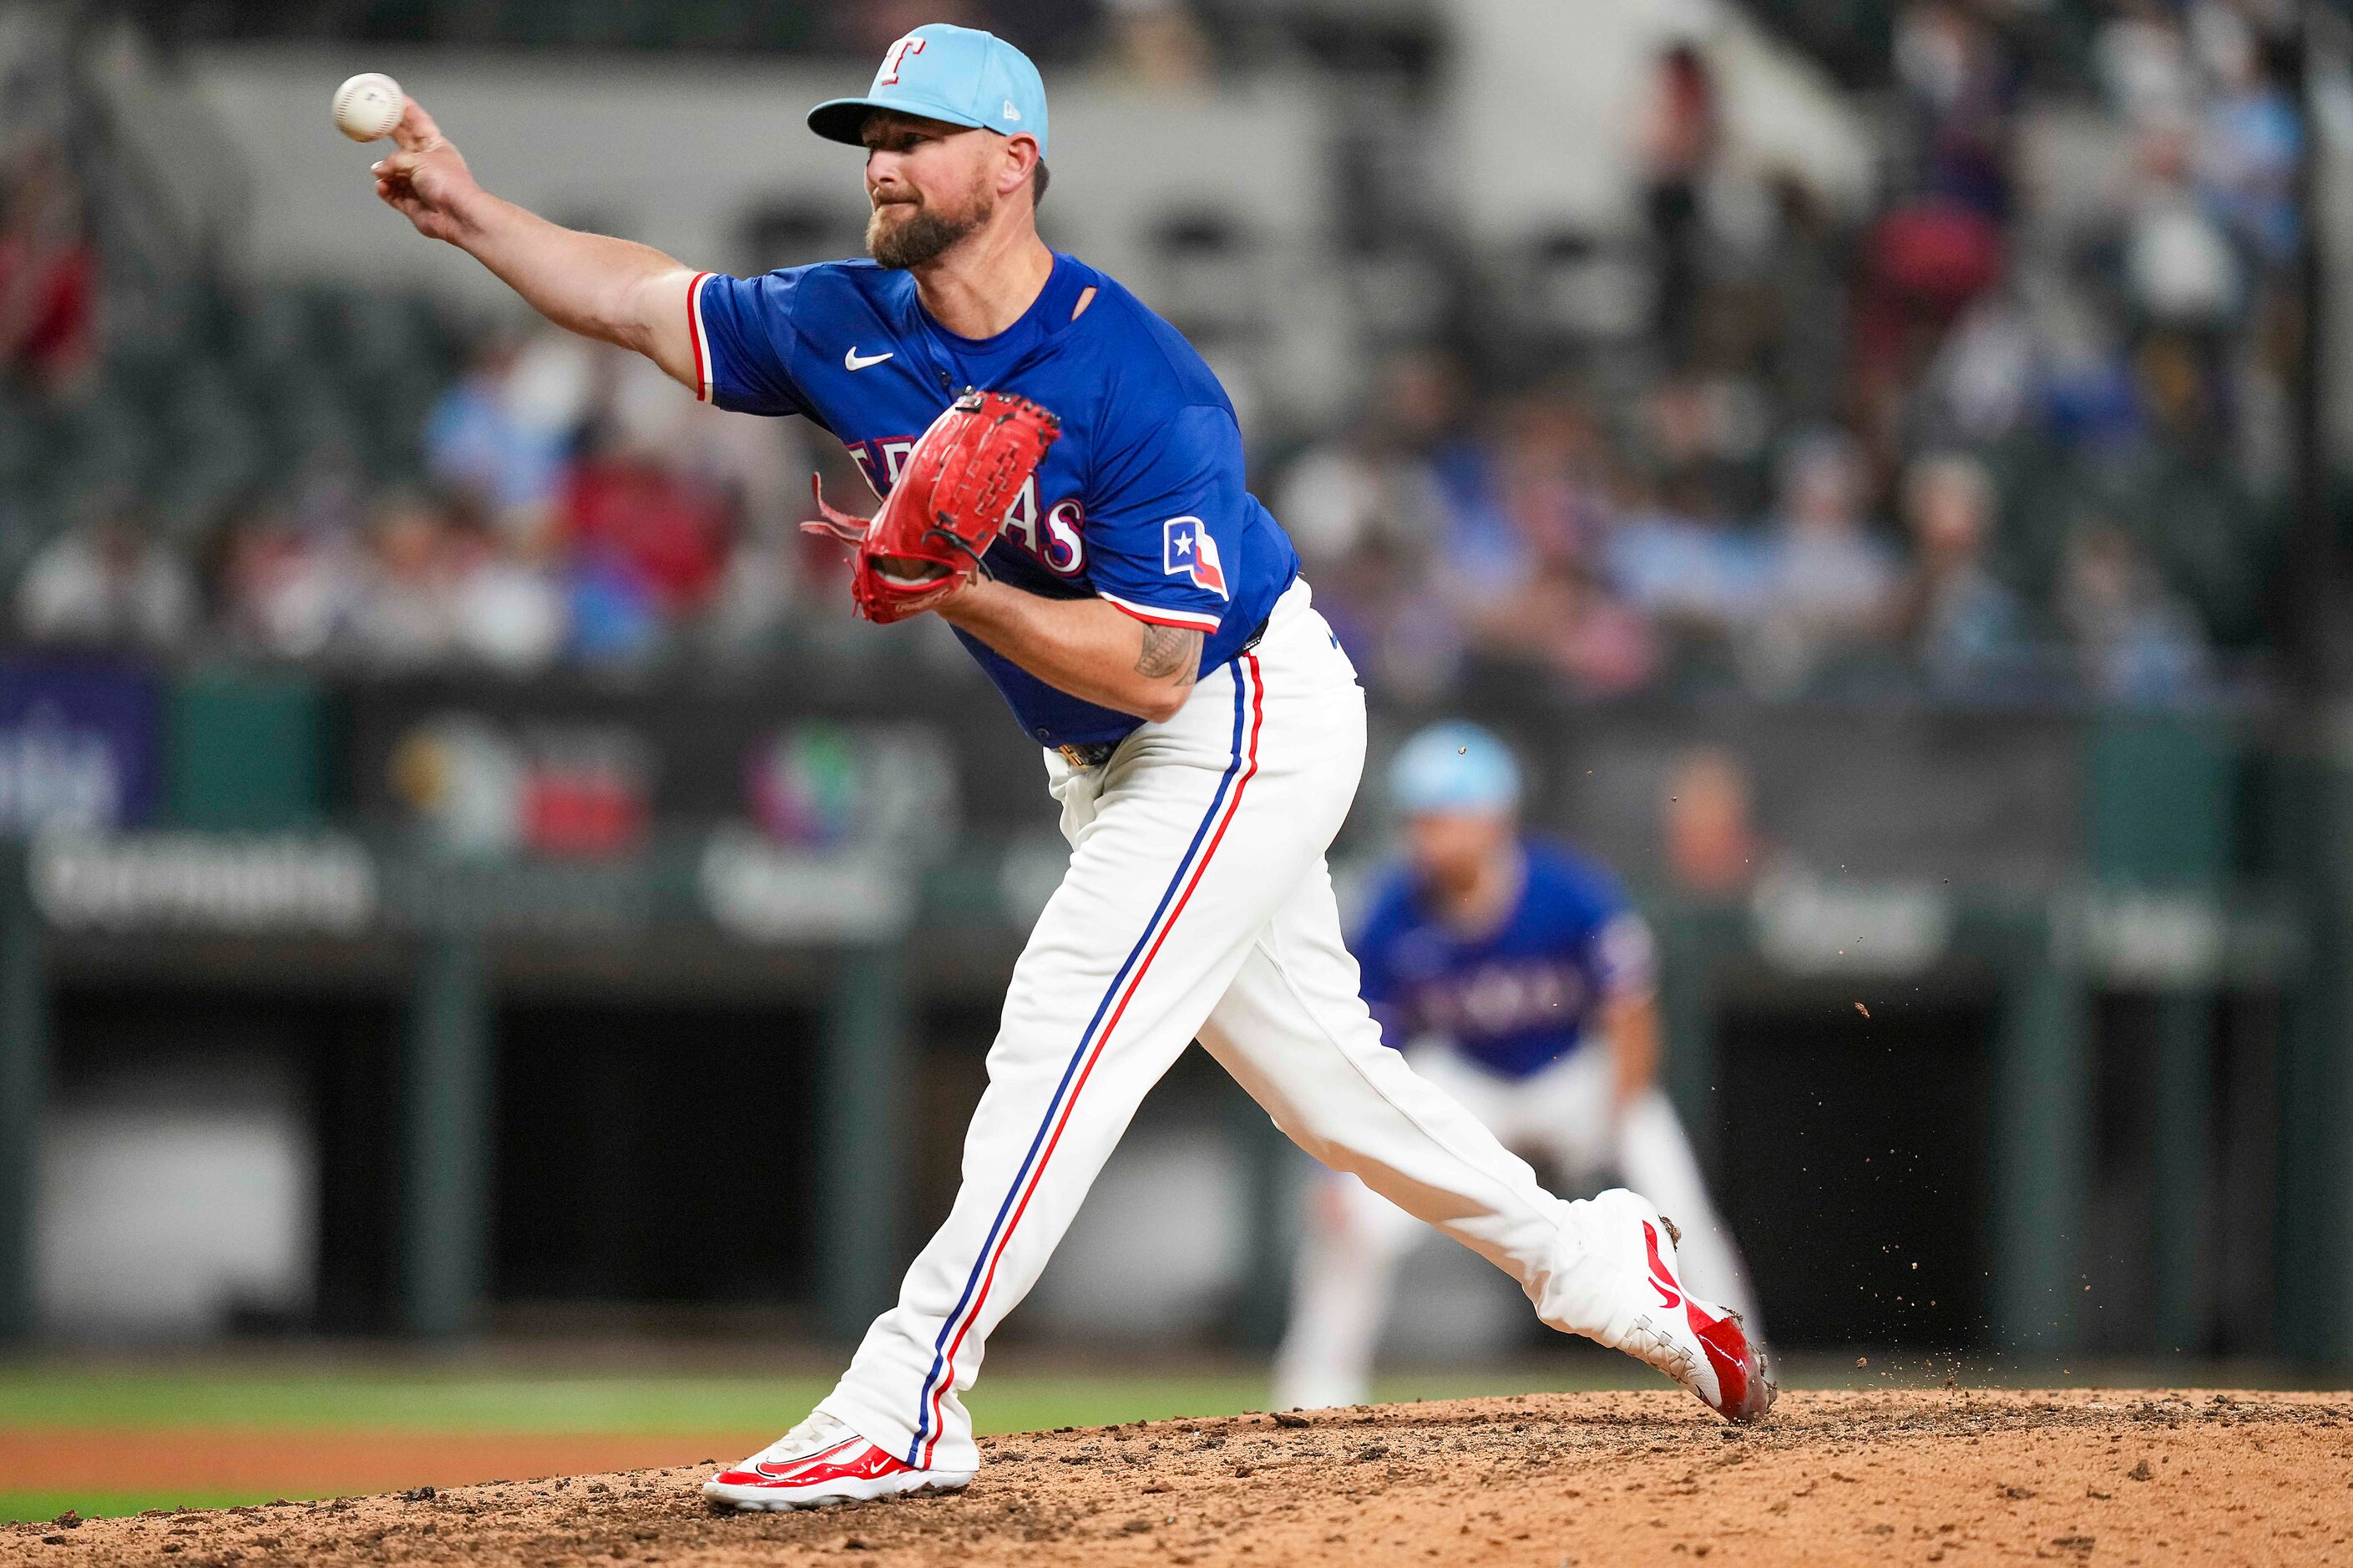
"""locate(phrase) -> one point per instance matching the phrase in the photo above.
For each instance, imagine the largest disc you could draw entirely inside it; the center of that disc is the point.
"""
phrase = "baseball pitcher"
(1517, 978)
(1080, 520)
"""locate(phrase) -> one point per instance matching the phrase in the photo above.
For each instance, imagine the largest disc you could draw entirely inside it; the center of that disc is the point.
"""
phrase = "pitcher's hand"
(427, 181)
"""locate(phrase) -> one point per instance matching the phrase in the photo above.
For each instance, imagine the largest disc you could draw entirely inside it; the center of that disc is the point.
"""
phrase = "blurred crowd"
(572, 506)
(1984, 440)
(1972, 441)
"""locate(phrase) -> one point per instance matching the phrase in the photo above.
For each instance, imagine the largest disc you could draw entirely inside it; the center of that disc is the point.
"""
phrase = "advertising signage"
(79, 745)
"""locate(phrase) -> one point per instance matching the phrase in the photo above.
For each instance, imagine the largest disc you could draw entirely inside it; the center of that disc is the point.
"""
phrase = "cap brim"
(844, 118)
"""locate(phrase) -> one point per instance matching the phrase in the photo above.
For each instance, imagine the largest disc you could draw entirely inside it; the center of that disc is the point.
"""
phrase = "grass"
(424, 1402)
(435, 1400)
(14, 1506)
(151, 1403)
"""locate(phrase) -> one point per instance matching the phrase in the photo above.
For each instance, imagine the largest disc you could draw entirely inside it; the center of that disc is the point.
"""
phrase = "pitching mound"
(1592, 1479)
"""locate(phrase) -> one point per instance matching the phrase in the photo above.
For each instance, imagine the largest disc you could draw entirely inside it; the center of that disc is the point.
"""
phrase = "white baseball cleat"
(1626, 1283)
(822, 1461)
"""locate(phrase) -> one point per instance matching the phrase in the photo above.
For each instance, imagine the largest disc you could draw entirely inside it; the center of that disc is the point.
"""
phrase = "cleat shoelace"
(1664, 1352)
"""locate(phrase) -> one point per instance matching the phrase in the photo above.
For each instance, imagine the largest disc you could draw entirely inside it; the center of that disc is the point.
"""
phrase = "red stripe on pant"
(1249, 771)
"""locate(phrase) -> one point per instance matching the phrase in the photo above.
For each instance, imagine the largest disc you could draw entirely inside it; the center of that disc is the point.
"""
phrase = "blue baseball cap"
(939, 71)
(1454, 767)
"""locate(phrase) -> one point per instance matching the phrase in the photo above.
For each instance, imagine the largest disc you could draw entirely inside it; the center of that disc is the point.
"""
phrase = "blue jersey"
(1140, 502)
(1522, 996)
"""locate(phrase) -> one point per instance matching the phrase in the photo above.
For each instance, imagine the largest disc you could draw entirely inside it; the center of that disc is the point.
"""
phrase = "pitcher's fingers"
(415, 129)
(395, 166)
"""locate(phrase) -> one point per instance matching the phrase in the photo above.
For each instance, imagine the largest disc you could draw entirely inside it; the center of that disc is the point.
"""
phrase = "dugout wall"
(2095, 913)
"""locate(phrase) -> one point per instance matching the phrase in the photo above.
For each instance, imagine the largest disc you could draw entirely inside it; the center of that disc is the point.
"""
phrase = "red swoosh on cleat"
(1661, 1281)
(863, 1462)
(1727, 1347)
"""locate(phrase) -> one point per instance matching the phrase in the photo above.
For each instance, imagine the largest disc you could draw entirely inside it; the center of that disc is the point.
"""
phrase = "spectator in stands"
(1703, 437)
(406, 617)
(1960, 81)
(1675, 557)
(2141, 57)
(2250, 145)
(1525, 563)
(756, 470)
(48, 273)
(2249, 139)
(757, 598)
(1963, 627)
(2088, 396)
(2135, 640)
(611, 614)
(285, 590)
(306, 550)
(1983, 384)
(1827, 583)
(508, 428)
(624, 506)
(1549, 478)
(781, 585)
(1594, 643)
(1682, 132)
(505, 609)
(1942, 244)
(1379, 475)
(1521, 497)
(1371, 510)
(1402, 634)
(2187, 288)
(108, 583)
(2179, 265)
(637, 550)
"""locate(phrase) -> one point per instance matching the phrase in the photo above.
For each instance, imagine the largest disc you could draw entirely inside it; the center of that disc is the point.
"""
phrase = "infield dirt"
(1957, 1476)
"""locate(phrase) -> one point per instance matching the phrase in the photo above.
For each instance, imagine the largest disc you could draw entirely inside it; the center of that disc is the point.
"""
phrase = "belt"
(1095, 753)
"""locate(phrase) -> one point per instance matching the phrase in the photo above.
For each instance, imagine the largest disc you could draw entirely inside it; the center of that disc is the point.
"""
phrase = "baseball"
(368, 106)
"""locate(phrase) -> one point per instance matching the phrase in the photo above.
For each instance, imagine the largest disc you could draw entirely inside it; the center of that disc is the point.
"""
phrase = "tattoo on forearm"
(1169, 650)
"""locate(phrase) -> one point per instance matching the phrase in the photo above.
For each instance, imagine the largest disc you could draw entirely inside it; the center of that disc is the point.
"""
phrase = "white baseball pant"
(1353, 1239)
(1196, 903)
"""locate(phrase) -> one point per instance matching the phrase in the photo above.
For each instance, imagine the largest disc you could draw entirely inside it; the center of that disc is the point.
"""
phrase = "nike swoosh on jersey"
(853, 360)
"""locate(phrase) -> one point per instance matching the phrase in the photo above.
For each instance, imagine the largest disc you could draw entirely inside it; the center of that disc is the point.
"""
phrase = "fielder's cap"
(939, 71)
(1452, 767)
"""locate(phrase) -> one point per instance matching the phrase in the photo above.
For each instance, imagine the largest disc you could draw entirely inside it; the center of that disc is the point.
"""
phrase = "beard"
(923, 236)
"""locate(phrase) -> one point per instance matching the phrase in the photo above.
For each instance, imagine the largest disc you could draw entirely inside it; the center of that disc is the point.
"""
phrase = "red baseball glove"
(952, 493)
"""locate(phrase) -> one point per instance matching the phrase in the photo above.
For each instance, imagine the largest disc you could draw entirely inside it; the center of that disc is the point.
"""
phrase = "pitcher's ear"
(1022, 163)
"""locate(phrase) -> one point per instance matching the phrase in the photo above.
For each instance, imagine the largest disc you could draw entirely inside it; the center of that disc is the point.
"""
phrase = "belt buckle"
(1087, 757)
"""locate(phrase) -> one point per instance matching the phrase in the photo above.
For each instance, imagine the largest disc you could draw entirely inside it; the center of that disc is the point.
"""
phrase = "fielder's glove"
(952, 493)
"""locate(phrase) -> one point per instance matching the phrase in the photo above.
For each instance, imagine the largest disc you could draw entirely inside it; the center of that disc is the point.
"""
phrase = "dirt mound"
(1589, 1479)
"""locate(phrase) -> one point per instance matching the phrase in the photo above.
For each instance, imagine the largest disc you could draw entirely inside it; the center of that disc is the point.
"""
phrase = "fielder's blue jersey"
(1140, 502)
(1522, 996)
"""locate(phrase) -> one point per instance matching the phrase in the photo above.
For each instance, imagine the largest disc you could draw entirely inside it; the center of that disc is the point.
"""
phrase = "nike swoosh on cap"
(853, 360)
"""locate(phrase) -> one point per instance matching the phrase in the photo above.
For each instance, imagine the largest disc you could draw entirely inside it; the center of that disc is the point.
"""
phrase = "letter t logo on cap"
(910, 44)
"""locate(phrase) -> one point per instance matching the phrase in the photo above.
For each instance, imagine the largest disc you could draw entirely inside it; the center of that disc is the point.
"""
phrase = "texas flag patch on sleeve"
(1189, 551)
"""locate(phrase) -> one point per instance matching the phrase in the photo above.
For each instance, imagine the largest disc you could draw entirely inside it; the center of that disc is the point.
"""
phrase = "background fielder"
(1143, 617)
(1517, 977)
